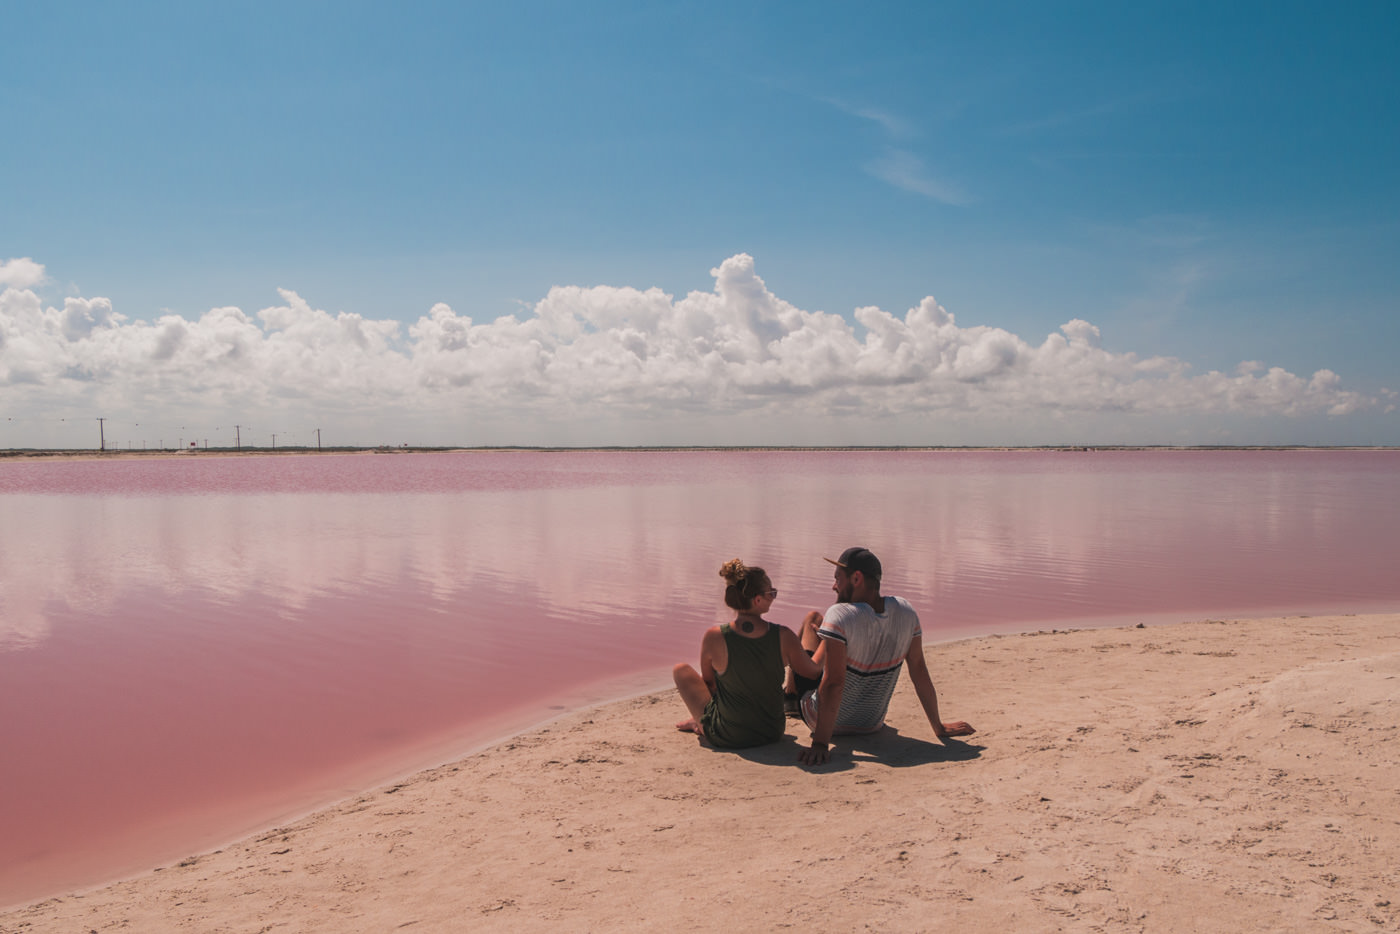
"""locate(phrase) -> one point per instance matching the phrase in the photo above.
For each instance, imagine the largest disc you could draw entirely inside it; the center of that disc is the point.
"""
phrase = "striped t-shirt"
(876, 644)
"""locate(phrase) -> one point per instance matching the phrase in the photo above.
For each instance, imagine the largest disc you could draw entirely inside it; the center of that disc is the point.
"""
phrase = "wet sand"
(1195, 777)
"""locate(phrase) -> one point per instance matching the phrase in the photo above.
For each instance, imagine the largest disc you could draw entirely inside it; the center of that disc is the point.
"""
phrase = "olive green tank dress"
(747, 709)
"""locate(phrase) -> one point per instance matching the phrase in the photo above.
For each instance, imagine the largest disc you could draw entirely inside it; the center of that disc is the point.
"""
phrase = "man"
(865, 639)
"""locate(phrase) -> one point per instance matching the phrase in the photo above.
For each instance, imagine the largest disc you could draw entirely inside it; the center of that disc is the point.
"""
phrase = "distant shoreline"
(93, 453)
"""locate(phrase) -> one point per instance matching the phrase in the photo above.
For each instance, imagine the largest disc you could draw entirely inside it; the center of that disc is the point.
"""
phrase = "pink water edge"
(195, 648)
(135, 752)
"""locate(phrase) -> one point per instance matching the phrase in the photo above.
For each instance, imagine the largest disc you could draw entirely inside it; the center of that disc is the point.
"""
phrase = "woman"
(736, 699)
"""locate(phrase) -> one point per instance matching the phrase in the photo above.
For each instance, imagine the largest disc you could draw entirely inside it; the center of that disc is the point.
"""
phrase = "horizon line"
(677, 448)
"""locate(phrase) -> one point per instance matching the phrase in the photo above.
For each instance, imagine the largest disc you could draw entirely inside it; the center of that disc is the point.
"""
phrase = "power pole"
(237, 440)
(318, 439)
(101, 434)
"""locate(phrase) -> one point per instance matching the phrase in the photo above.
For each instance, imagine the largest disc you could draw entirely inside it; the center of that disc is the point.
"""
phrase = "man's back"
(876, 645)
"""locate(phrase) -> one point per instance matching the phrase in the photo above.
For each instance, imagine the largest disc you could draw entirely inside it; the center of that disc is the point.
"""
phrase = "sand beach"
(1205, 776)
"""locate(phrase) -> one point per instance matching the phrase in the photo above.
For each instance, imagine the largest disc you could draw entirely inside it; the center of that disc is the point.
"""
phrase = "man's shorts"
(809, 709)
(809, 716)
(806, 684)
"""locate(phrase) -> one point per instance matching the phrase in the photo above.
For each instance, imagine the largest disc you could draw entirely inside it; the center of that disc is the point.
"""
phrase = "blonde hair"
(743, 584)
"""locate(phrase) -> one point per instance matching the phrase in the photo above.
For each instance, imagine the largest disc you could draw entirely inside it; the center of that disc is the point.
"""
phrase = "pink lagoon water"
(195, 647)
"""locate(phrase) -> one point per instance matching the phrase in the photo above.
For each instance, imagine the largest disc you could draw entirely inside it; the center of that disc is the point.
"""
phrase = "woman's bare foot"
(691, 726)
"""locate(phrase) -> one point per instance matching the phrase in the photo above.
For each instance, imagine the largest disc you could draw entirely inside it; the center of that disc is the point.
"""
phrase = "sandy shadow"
(886, 747)
(889, 747)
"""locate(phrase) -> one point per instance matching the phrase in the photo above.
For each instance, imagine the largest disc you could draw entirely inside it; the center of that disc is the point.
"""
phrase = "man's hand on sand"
(816, 754)
(956, 728)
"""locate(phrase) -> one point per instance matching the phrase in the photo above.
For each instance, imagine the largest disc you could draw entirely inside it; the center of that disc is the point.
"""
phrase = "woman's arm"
(795, 657)
(714, 657)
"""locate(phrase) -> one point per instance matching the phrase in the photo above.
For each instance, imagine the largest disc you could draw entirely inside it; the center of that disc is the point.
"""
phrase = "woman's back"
(748, 705)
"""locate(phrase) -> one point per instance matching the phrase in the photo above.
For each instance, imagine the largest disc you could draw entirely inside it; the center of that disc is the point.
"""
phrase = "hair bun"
(733, 571)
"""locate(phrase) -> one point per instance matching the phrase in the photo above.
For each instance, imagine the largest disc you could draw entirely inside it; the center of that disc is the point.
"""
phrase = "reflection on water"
(189, 645)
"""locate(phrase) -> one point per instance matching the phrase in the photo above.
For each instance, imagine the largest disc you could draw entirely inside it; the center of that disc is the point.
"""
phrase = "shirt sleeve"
(834, 623)
(911, 617)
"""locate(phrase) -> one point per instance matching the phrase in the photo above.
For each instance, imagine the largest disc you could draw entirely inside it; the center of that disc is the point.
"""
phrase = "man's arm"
(828, 702)
(928, 697)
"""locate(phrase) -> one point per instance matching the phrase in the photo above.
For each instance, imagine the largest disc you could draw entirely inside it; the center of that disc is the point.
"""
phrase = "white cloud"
(903, 169)
(22, 273)
(898, 166)
(648, 365)
(893, 125)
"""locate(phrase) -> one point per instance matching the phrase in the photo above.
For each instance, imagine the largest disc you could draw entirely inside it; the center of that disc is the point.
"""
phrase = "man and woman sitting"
(841, 672)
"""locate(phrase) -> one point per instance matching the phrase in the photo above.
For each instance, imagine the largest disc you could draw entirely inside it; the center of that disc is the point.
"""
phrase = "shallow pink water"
(192, 647)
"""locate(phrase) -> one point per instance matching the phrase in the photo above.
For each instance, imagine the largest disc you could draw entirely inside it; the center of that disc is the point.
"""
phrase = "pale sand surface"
(1206, 776)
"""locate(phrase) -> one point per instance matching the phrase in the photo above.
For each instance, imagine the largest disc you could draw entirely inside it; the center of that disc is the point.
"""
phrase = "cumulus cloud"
(22, 273)
(612, 355)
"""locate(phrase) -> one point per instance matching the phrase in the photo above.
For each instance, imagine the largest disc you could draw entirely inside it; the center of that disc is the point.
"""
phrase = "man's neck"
(872, 600)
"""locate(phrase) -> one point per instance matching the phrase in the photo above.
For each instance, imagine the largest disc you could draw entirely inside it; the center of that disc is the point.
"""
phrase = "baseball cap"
(858, 559)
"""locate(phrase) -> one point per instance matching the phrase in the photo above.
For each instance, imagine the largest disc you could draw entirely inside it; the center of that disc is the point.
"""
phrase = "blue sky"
(1204, 184)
